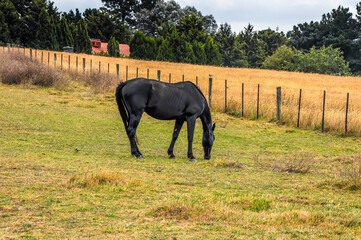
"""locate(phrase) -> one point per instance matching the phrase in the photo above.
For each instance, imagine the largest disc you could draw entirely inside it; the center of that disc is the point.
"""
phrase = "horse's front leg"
(191, 122)
(177, 127)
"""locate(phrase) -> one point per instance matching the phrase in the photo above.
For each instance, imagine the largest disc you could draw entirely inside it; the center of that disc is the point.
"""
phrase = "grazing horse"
(181, 102)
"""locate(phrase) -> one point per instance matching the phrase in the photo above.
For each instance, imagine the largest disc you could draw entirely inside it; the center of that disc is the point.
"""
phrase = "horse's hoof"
(193, 160)
(140, 156)
(172, 157)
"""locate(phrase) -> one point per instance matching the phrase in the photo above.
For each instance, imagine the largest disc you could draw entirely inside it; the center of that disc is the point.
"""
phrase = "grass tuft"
(95, 180)
(348, 173)
(224, 163)
(291, 163)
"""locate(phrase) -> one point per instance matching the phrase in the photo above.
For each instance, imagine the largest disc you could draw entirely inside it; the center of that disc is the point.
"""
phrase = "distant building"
(68, 49)
(99, 47)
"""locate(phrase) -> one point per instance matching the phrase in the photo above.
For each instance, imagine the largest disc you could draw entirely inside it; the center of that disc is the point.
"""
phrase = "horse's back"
(163, 100)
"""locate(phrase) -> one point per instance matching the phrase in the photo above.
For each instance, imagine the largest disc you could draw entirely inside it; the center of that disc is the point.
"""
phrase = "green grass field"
(264, 181)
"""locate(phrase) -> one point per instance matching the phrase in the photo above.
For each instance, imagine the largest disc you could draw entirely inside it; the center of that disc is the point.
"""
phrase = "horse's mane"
(199, 90)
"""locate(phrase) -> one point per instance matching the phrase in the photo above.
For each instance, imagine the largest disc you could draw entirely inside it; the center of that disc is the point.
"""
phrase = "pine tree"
(46, 33)
(212, 52)
(137, 45)
(10, 24)
(199, 53)
(4, 30)
(165, 51)
(113, 47)
(82, 43)
(67, 37)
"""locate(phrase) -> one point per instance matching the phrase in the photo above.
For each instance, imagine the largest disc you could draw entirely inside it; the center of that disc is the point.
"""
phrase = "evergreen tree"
(212, 52)
(46, 32)
(4, 30)
(113, 47)
(67, 36)
(10, 23)
(199, 53)
(191, 28)
(225, 40)
(137, 45)
(254, 49)
(238, 57)
(82, 43)
(165, 51)
(31, 23)
(142, 47)
(273, 40)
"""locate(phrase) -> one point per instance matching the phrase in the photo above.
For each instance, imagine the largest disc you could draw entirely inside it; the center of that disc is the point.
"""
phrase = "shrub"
(15, 68)
(282, 59)
(99, 82)
(348, 174)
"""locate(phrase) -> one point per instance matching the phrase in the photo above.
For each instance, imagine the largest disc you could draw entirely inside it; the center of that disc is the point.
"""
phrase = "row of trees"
(38, 24)
(162, 30)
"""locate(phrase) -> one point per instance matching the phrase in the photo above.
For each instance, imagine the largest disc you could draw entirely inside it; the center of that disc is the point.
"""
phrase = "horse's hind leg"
(131, 131)
(177, 127)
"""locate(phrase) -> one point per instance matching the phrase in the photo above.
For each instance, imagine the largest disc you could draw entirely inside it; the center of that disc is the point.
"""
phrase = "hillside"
(66, 172)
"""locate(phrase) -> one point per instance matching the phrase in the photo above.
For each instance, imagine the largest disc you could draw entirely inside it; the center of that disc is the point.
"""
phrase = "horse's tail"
(121, 104)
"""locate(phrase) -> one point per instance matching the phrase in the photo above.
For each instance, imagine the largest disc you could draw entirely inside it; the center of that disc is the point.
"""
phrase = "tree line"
(163, 30)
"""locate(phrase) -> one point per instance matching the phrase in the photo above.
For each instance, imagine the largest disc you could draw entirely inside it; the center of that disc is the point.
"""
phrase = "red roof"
(123, 48)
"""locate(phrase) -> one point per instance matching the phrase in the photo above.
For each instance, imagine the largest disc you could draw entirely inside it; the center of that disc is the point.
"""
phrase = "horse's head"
(208, 139)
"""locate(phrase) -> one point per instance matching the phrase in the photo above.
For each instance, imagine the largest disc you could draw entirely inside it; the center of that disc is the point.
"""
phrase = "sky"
(279, 15)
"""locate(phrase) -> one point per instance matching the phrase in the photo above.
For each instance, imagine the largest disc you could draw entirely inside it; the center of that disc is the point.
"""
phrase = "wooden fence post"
(242, 99)
(279, 95)
(258, 101)
(77, 64)
(83, 65)
(126, 73)
(31, 54)
(36, 54)
(183, 78)
(69, 62)
(108, 68)
(42, 57)
(117, 70)
(225, 95)
(100, 66)
(91, 65)
(48, 59)
(147, 73)
(299, 109)
(210, 91)
(170, 77)
(55, 59)
(137, 72)
(61, 61)
(346, 119)
(158, 75)
(323, 111)
(197, 81)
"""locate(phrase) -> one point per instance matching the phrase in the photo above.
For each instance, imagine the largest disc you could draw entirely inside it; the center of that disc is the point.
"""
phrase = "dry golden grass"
(312, 86)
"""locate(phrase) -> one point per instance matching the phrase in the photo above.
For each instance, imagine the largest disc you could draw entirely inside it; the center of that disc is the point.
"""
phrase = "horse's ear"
(213, 127)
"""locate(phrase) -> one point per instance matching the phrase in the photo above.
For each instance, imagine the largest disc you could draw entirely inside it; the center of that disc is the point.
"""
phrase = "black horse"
(181, 102)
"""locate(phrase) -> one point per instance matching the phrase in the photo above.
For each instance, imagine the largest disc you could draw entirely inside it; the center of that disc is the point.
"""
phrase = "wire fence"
(308, 108)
